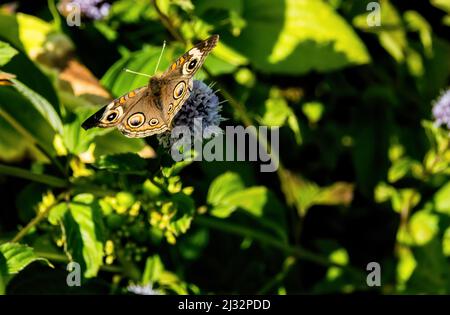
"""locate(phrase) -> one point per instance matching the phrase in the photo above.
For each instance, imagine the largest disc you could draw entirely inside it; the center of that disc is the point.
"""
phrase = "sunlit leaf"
(120, 82)
(423, 226)
(83, 229)
(418, 23)
(313, 111)
(223, 186)
(13, 258)
(41, 105)
(299, 36)
(391, 33)
(399, 169)
(6, 53)
(277, 113)
(153, 269)
(442, 199)
(406, 266)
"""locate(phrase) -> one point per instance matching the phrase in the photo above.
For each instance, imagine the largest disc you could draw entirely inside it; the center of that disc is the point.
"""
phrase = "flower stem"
(57, 257)
(38, 218)
(167, 22)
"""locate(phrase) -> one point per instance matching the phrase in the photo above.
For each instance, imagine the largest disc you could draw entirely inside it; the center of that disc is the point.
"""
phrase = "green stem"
(55, 15)
(167, 22)
(57, 182)
(56, 257)
(287, 265)
(38, 218)
(26, 174)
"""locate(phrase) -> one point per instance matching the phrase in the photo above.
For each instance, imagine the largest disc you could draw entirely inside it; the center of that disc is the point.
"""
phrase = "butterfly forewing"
(178, 79)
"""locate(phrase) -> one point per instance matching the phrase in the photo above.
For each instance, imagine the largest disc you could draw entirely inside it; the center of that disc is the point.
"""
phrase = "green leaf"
(76, 139)
(252, 200)
(442, 199)
(26, 33)
(313, 111)
(57, 213)
(441, 4)
(227, 195)
(437, 69)
(6, 53)
(223, 186)
(336, 279)
(41, 105)
(26, 120)
(423, 226)
(295, 37)
(307, 194)
(446, 242)
(130, 11)
(430, 275)
(120, 82)
(32, 32)
(400, 169)
(115, 142)
(392, 36)
(405, 267)
(83, 230)
(418, 23)
(277, 113)
(406, 198)
(276, 110)
(202, 6)
(13, 258)
(153, 270)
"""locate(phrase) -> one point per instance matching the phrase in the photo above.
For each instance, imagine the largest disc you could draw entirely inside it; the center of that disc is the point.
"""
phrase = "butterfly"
(150, 109)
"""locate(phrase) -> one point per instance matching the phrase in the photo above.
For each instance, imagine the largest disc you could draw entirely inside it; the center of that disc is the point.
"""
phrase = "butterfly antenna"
(160, 55)
(138, 73)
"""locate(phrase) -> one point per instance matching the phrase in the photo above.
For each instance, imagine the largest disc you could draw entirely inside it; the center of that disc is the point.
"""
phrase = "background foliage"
(364, 172)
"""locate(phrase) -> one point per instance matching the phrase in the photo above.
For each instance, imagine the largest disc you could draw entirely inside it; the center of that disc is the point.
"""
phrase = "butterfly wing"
(177, 81)
(150, 110)
(135, 114)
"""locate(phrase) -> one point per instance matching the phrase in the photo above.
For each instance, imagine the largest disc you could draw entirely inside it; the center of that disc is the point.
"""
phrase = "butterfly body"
(150, 109)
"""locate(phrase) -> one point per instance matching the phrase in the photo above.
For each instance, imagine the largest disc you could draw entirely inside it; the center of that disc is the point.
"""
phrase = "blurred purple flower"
(202, 103)
(92, 9)
(441, 110)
